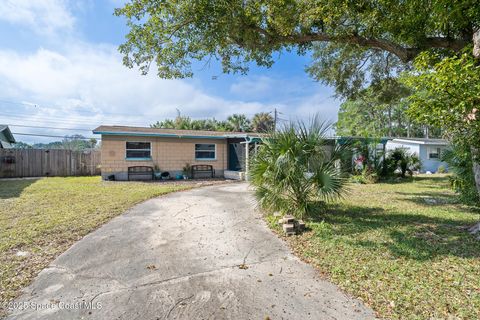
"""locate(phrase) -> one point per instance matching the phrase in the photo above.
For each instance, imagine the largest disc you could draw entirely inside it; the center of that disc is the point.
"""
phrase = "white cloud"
(321, 103)
(83, 85)
(253, 87)
(44, 17)
(88, 85)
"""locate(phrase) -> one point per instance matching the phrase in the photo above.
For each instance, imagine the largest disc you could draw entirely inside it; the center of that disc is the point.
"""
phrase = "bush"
(442, 169)
(462, 181)
(292, 172)
(367, 176)
(400, 159)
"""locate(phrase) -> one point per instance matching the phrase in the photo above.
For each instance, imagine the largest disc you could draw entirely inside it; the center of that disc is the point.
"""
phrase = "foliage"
(263, 122)
(395, 244)
(414, 163)
(352, 69)
(186, 123)
(366, 176)
(239, 123)
(447, 94)
(260, 122)
(459, 160)
(292, 173)
(400, 159)
(22, 145)
(75, 142)
(442, 169)
(367, 159)
(378, 111)
(172, 34)
(187, 170)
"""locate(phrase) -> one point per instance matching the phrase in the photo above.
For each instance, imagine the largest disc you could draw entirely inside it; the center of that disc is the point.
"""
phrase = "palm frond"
(293, 172)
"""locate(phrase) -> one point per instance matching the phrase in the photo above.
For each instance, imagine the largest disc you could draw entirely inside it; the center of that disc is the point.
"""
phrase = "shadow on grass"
(13, 188)
(424, 180)
(411, 236)
(429, 198)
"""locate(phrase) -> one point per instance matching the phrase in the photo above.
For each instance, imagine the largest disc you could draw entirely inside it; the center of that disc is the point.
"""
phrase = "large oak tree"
(172, 33)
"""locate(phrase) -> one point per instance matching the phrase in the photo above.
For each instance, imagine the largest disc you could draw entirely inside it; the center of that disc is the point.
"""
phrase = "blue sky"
(60, 68)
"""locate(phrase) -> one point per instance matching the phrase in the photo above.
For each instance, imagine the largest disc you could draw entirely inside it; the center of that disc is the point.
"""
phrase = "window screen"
(138, 150)
(204, 151)
(433, 153)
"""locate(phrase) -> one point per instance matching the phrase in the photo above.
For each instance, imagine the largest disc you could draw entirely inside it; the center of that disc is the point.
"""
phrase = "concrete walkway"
(178, 257)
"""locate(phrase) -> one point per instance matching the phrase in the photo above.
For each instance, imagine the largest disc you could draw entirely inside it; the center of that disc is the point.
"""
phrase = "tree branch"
(405, 54)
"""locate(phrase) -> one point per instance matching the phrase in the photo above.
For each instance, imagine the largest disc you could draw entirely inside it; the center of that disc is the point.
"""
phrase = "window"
(204, 151)
(138, 150)
(433, 152)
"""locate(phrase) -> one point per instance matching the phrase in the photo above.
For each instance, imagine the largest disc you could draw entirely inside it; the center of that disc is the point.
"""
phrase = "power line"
(55, 128)
(75, 110)
(47, 117)
(52, 136)
(55, 120)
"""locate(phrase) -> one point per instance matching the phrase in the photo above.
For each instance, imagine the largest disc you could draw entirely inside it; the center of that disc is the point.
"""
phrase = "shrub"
(292, 172)
(441, 169)
(400, 159)
(187, 170)
(367, 176)
(462, 181)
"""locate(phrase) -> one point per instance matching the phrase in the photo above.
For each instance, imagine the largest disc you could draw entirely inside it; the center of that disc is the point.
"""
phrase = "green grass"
(401, 248)
(44, 217)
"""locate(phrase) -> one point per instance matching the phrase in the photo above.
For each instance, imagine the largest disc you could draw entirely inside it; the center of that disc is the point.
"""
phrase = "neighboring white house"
(6, 137)
(428, 150)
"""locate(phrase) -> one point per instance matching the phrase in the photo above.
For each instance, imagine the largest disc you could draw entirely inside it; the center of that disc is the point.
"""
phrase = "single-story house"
(171, 149)
(428, 150)
(6, 137)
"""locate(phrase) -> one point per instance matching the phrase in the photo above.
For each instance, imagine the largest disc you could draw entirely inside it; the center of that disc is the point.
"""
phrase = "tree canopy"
(174, 33)
(260, 122)
(447, 93)
(381, 111)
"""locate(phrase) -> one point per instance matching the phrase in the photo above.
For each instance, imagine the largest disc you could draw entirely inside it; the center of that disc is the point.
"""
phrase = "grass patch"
(45, 217)
(401, 248)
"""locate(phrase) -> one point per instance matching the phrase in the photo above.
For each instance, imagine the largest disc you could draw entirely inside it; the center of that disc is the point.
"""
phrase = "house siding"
(411, 147)
(420, 150)
(169, 154)
(4, 143)
(431, 165)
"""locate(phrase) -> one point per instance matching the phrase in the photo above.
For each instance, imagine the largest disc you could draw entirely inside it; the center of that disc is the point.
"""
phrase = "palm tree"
(239, 122)
(262, 122)
(292, 172)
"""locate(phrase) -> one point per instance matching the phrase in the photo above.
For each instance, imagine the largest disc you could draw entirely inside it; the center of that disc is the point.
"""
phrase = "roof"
(7, 133)
(422, 141)
(345, 139)
(174, 133)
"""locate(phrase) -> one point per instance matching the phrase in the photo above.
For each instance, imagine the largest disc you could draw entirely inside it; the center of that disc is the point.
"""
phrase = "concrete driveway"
(179, 257)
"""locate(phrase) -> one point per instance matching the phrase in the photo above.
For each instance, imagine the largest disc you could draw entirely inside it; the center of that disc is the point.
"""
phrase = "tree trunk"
(390, 121)
(475, 229)
(475, 152)
(476, 44)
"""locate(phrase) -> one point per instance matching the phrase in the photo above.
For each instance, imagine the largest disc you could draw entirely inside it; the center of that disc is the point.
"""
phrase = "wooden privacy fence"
(18, 163)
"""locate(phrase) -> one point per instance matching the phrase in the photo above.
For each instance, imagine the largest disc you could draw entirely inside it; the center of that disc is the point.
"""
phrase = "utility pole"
(275, 118)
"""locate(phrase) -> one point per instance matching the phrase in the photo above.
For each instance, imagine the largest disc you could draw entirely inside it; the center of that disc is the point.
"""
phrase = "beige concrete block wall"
(169, 154)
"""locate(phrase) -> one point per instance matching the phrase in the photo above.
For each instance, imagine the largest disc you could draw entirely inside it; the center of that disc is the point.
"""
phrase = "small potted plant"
(157, 173)
(186, 171)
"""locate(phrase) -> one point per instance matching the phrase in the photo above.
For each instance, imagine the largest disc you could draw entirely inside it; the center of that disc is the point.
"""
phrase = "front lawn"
(39, 219)
(401, 248)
